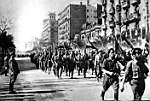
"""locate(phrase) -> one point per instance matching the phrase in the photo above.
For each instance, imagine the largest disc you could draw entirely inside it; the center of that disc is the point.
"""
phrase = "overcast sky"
(27, 16)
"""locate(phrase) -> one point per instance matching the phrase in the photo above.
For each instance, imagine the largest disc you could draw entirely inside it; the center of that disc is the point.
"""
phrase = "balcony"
(118, 22)
(118, 8)
(104, 14)
(104, 27)
(125, 21)
(112, 24)
(112, 11)
(135, 2)
(112, 1)
(125, 5)
(110, 19)
(104, 2)
(62, 32)
(134, 17)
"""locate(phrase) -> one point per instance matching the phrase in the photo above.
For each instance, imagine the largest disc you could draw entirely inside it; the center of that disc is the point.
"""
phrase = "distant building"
(91, 14)
(92, 28)
(50, 32)
(70, 21)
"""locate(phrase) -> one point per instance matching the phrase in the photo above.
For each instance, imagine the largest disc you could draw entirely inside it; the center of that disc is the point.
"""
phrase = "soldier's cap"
(136, 50)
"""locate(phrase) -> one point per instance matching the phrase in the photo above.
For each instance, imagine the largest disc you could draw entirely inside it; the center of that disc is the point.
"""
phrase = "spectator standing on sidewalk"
(13, 69)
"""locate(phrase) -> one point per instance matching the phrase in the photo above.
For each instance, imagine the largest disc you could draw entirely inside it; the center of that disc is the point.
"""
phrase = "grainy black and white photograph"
(74, 50)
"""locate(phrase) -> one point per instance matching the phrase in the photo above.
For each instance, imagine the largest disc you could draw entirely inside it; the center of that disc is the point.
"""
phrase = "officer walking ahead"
(111, 75)
(14, 70)
(136, 72)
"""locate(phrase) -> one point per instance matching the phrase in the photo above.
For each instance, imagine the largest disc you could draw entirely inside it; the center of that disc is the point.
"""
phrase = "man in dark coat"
(137, 70)
(14, 71)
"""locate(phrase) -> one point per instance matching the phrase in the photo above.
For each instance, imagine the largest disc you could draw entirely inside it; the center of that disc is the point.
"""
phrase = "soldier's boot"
(115, 96)
(95, 72)
(61, 71)
(102, 96)
(84, 75)
(11, 89)
(79, 72)
(71, 74)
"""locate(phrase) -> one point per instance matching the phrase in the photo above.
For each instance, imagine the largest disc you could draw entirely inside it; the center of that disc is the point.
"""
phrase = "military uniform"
(108, 80)
(136, 72)
(84, 64)
(98, 65)
(139, 73)
(78, 63)
(59, 67)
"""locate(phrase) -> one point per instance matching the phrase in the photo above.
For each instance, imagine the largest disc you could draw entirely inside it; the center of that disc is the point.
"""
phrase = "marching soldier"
(84, 60)
(97, 65)
(91, 61)
(71, 64)
(136, 72)
(66, 62)
(111, 75)
(78, 63)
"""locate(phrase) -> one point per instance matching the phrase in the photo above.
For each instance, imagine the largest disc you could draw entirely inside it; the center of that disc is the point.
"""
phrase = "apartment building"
(70, 21)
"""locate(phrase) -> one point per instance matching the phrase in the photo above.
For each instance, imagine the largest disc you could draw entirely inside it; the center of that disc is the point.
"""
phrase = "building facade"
(70, 21)
(92, 29)
(127, 17)
(91, 14)
(50, 31)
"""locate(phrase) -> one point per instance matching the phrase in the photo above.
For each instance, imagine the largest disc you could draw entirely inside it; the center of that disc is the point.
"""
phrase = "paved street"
(37, 85)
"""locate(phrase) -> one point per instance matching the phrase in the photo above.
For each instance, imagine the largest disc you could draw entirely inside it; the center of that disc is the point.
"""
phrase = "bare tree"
(6, 40)
(5, 24)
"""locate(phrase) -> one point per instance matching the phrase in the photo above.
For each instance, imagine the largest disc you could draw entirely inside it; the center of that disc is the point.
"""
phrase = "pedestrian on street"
(14, 71)
(111, 75)
(137, 70)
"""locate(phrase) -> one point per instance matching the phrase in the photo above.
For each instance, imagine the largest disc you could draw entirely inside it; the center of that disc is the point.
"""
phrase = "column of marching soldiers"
(67, 61)
(63, 60)
(103, 64)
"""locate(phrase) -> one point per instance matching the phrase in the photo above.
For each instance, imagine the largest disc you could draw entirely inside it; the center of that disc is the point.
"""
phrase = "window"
(82, 37)
(95, 17)
(95, 11)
